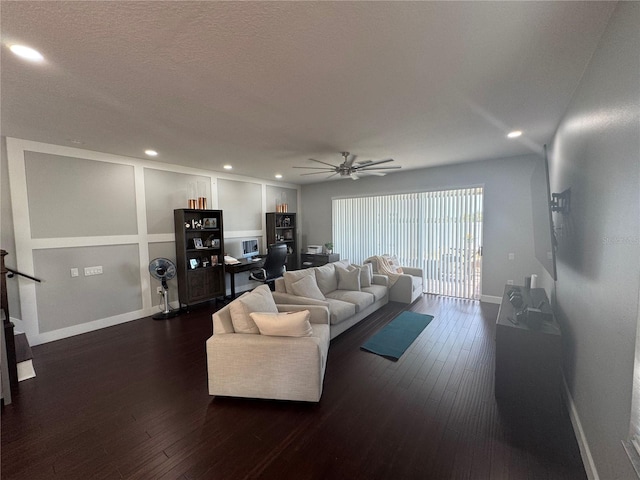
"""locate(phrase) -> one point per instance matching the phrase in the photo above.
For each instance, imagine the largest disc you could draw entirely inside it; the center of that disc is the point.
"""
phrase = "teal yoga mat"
(398, 335)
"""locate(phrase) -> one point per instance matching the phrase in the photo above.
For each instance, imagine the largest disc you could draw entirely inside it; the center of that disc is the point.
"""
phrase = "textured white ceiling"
(266, 85)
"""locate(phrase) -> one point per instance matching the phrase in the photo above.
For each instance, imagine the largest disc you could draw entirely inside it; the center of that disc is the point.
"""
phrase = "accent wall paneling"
(242, 204)
(76, 197)
(70, 206)
(164, 192)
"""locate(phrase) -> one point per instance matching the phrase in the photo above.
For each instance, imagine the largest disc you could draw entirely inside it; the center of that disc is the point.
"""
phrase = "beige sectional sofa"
(350, 292)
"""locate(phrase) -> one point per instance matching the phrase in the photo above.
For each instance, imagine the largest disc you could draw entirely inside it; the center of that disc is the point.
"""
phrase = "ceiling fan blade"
(377, 168)
(324, 163)
(377, 162)
(315, 173)
(377, 174)
(318, 168)
(349, 162)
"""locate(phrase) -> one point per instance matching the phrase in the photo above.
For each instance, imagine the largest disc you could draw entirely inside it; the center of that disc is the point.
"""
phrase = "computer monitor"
(249, 248)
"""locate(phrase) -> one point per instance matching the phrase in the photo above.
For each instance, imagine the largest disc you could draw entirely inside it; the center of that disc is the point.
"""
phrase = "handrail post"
(7, 325)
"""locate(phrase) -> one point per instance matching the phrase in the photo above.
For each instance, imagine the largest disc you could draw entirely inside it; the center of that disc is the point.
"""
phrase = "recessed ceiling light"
(151, 153)
(27, 53)
(227, 167)
(514, 134)
(278, 175)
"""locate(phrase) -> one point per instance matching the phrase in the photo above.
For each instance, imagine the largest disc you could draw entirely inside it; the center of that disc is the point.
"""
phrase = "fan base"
(165, 316)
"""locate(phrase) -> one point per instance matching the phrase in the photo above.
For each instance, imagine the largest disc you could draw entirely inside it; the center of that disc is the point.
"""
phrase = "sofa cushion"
(294, 276)
(348, 279)
(307, 287)
(258, 300)
(378, 291)
(326, 278)
(360, 300)
(288, 324)
(339, 310)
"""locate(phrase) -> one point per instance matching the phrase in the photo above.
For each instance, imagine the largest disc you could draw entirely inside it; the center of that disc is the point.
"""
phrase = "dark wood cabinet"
(199, 255)
(308, 260)
(282, 228)
(528, 360)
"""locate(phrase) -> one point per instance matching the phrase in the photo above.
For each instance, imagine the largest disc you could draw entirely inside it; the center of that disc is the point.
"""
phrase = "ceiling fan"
(350, 168)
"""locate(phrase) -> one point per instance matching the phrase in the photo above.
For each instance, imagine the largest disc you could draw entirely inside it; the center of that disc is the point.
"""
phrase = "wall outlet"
(509, 282)
(88, 271)
(74, 272)
(512, 256)
(159, 290)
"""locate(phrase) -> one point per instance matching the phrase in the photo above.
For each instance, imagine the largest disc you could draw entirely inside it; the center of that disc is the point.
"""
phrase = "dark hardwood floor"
(131, 401)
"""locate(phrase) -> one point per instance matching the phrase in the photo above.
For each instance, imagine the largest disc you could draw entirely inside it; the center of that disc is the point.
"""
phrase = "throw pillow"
(326, 278)
(294, 276)
(259, 299)
(348, 279)
(290, 324)
(366, 275)
(307, 287)
(394, 263)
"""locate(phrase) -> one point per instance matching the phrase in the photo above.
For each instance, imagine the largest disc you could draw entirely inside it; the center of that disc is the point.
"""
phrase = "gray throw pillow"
(326, 278)
(307, 287)
(348, 279)
(366, 275)
(259, 299)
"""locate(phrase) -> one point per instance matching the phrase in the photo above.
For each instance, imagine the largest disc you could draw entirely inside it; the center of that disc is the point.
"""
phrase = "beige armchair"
(407, 286)
(273, 367)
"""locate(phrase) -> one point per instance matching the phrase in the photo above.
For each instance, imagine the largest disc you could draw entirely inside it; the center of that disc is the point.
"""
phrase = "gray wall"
(596, 153)
(507, 210)
(64, 301)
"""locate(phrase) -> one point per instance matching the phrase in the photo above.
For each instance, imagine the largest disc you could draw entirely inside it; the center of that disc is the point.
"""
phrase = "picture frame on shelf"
(193, 263)
(197, 243)
(210, 222)
(215, 243)
(214, 259)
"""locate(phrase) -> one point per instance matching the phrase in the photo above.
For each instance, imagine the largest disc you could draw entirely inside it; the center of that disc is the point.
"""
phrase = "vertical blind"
(440, 232)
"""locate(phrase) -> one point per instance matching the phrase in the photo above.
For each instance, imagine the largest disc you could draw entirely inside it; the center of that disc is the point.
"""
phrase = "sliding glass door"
(440, 232)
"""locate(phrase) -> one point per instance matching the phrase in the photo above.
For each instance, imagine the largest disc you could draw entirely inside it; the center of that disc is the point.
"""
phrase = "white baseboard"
(585, 451)
(490, 299)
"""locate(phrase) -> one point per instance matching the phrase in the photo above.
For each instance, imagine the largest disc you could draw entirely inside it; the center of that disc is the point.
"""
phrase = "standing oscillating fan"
(164, 269)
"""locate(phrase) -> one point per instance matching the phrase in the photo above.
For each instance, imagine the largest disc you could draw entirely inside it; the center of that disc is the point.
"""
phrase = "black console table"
(528, 360)
(309, 260)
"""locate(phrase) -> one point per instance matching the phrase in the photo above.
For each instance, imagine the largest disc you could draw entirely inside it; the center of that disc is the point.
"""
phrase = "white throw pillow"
(290, 324)
(307, 287)
(294, 276)
(348, 279)
(259, 299)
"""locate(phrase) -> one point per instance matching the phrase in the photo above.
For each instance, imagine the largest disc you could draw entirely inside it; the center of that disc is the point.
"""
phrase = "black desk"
(245, 265)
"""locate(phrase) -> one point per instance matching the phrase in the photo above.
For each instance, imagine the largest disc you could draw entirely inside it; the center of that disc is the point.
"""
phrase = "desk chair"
(273, 265)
